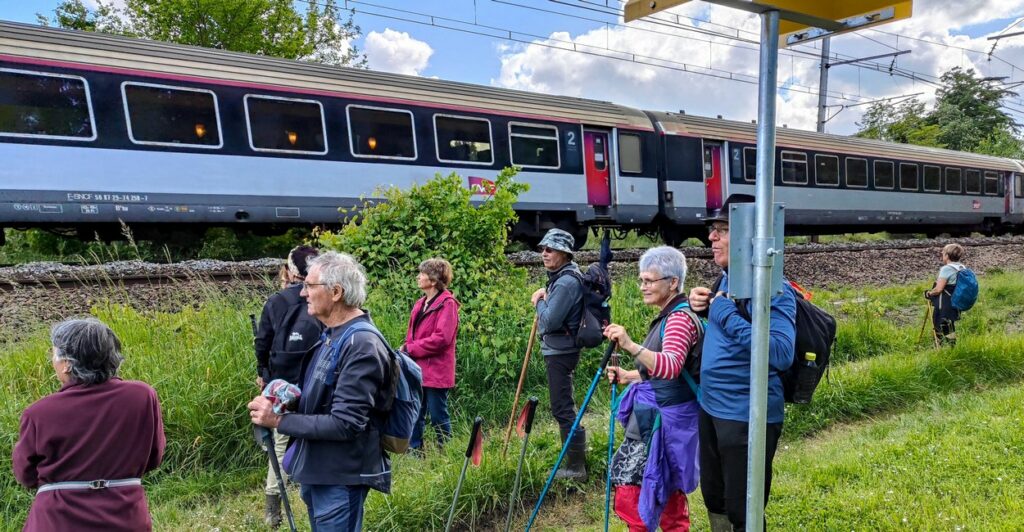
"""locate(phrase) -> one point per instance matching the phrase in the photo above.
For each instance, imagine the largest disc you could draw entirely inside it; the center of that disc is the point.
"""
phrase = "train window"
(883, 175)
(630, 154)
(534, 145)
(908, 177)
(35, 104)
(285, 125)
(991, 183)
(794, 168)
(953, 185)
(463, 139)
(856, 172)
(1019, 188)
(972, 184)
(381, 133)
(932, 179)
(826, 170)
(750, 164)
(162, 115)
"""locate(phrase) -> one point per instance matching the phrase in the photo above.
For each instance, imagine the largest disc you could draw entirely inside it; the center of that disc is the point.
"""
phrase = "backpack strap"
(583, 296)
(700, 324)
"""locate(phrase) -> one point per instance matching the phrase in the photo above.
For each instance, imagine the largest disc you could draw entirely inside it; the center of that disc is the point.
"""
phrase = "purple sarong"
(672, 457)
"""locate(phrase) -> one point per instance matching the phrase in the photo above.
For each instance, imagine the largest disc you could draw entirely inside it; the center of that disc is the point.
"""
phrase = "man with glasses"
(725, 383)
(286, 332)
(559, 311)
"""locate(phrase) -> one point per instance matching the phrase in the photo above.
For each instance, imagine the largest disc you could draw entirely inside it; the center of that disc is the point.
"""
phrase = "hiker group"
(336, 399)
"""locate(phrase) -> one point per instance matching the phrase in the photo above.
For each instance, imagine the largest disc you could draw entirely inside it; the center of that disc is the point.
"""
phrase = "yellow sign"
(801, 20)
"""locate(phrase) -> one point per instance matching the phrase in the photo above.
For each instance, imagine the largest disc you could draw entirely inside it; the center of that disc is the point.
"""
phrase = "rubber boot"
(272, 514)
(719, 522)
(574, 466)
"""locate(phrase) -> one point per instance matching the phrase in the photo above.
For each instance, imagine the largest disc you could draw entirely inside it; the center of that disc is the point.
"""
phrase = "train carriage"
(99, 128)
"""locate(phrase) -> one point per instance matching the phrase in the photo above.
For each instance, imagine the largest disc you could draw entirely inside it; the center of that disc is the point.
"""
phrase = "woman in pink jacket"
(430, 340)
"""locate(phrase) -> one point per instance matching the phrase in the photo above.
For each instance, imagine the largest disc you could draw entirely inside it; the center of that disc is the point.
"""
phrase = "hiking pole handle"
(252, 321)
(608, 354)
(531, 409)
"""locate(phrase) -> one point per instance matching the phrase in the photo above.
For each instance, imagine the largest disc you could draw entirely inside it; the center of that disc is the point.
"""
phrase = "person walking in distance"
(725, 384)
(286, 333)
(559, 311)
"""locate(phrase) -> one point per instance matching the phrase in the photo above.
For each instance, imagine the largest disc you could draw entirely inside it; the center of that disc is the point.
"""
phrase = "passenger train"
(96, 130)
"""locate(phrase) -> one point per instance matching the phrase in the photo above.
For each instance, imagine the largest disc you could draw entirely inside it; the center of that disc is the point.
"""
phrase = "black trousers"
(944, 316)
(560, 371)
(723, 466)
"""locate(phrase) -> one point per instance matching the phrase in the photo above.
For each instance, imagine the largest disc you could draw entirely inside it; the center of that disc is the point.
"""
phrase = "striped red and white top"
(680, 336)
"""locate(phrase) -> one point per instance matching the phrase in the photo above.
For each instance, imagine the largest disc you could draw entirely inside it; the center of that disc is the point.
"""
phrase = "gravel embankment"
(812, 265)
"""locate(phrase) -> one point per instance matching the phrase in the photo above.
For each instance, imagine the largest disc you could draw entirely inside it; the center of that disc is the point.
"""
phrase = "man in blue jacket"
(559, 311)
(725, 384)
(335, 452)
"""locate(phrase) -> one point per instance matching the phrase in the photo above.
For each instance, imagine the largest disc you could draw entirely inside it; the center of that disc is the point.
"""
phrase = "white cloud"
(395, 51)
(542, 67)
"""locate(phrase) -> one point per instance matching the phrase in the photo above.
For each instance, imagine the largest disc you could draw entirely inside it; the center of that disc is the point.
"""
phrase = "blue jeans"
(334, 508)
(435, 403)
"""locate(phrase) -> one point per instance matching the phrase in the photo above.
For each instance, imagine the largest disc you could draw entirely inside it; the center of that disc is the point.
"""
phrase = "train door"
(595, 160)
(714, 182)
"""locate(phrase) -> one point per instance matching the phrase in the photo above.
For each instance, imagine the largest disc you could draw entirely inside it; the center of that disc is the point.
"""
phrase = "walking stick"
(927, 314)
(530, 409)
(572, 431)
(519, 387)
(265, 436)
(465, 464)
(611, 448)
(268, 441)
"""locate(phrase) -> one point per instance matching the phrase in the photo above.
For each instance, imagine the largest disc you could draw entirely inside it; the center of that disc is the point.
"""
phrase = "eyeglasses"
(305, 285)
(645, 282)
(721, 229)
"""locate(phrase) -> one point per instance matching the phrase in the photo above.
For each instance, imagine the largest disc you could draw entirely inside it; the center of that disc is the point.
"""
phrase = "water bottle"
(806, 379)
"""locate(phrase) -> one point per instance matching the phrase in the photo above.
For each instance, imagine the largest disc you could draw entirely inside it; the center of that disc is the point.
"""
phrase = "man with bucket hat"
(725, 382)
(559, 312)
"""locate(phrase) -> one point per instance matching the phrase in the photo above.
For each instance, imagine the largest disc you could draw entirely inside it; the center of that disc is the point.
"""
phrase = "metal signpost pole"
(763, 244)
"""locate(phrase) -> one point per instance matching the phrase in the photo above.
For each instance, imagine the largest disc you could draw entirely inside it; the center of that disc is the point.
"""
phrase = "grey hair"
(91, 349)
(340, 269)
(666, 261)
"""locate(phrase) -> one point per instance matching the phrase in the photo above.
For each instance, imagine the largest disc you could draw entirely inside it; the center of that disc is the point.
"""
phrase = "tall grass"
(200, 361)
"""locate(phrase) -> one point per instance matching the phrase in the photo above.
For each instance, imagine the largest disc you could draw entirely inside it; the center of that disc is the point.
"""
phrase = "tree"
(264, 27)
(967, 117)
(903, 123)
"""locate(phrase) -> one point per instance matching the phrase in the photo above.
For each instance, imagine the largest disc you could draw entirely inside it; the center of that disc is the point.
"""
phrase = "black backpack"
(295, 334)
(597, 290)
(815, 333)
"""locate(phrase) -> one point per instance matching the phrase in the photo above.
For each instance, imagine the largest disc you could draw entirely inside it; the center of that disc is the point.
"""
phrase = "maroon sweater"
(107, 431)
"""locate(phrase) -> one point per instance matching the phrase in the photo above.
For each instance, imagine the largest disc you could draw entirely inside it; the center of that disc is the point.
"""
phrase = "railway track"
(131, 273)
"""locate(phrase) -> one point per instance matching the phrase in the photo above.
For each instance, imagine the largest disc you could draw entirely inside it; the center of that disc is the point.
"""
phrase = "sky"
(699, 57)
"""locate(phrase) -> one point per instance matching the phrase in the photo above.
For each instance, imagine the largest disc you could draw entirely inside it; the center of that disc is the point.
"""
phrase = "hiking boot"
(574, 467)
(272, 514)
(719, 522)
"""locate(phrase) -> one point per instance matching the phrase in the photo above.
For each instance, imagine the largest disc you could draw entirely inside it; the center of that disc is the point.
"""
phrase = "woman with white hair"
(656, 465)
(86, 447)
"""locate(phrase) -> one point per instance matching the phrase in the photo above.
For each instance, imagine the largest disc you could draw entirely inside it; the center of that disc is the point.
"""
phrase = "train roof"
(111, 52)
(731, 130)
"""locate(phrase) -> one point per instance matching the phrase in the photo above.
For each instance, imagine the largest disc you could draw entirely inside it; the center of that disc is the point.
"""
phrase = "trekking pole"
(465, 464)
(529, 410)
(519, 387)
(268, 440)
(927, 314)
(614, 361)
(572, 431)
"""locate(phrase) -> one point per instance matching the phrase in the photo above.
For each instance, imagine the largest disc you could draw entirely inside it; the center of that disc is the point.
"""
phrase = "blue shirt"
(725, 364)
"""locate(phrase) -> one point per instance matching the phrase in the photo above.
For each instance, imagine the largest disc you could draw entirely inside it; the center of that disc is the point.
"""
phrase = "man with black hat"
(286, 332)
(559, 311)
(725, 383)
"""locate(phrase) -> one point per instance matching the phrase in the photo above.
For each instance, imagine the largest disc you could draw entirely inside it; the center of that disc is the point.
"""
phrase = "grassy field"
(902, 437)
